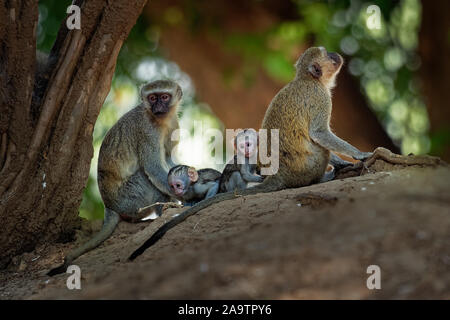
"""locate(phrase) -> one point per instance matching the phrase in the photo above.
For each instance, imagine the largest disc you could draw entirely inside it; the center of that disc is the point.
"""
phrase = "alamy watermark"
(74, 19)
(74, 280)
(374, 19)
(374, 280)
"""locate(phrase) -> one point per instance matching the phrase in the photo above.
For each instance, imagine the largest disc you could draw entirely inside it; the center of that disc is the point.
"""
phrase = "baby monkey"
(242, 168)
(191, 186)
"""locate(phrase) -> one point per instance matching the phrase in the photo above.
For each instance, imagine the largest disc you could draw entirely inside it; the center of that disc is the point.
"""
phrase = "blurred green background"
(384, 62)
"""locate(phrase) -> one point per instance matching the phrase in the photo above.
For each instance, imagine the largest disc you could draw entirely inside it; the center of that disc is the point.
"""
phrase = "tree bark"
(434, 49)
(46, 129)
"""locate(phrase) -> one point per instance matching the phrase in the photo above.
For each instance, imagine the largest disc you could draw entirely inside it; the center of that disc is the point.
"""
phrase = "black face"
(160, 103)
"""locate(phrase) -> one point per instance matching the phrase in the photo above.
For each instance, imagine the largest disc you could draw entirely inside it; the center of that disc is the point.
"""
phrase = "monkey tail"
(109, 224)
(269, 185)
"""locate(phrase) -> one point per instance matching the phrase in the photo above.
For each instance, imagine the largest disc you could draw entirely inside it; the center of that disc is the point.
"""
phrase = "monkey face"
(336, 59)
(161, 98)
(180, 179)
(246, 148)
(320, 65)
(160, 103)
(177, 186)
(246, 144)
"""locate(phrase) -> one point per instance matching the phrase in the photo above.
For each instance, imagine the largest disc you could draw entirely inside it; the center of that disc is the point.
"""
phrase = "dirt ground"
(308, 243)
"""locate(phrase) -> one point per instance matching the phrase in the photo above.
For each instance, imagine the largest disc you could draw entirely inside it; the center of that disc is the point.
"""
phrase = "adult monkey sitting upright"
(301, 111)
(134, 160)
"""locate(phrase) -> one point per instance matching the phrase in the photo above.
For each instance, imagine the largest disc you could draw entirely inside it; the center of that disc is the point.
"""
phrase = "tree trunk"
(46, 129)
(434, 49)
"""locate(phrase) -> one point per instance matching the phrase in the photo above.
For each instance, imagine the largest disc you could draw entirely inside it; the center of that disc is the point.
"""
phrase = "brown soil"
(308, 243)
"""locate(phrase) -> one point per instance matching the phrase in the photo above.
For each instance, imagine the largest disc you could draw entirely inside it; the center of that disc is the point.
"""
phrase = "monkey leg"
(138, 198)
(328, 176)
(338, 163)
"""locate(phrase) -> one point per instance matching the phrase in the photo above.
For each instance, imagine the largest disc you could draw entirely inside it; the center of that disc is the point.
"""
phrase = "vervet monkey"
(301, 111)
(243, 167)
(191, 186)
(134, 160)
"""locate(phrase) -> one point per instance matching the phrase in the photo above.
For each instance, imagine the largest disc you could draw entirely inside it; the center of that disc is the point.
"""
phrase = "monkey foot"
(155, 210)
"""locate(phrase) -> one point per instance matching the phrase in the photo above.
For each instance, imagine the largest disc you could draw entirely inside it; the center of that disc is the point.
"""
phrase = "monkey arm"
(158, 177)
(168, 156)
(248, 176)
(213, 190)
(206, 189)
(155, 171)
(152, 160)
(170, 162)
(329, 140)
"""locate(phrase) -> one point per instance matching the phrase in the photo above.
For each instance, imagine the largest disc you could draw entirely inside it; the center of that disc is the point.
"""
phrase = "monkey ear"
(142, 90)
(315, 70)
(193, 174)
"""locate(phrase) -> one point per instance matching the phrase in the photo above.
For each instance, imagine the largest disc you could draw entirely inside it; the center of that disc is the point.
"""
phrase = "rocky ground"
(313, 242)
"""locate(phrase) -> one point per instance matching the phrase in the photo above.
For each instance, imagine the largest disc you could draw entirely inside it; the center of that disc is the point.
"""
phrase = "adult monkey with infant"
(134, 160)
(301, 111)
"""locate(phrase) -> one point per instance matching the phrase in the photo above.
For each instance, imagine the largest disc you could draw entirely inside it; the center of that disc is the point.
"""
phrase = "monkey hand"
(258, 178)
(342, 165)
(363, 156)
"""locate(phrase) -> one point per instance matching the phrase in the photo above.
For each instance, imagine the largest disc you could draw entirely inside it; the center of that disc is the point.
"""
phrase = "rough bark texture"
(314, 242)
(434, 49)
(46, 145)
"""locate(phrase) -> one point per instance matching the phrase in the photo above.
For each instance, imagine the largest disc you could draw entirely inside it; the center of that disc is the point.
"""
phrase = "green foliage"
(440, 140)
(51, 15)
(91, 206)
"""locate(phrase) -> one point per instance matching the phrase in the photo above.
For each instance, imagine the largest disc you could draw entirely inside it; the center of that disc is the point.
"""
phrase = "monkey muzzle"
(179, 193)
(335, 58)
(160, 109)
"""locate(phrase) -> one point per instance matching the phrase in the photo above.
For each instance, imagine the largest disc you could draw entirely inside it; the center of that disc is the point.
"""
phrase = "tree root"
(387, 156)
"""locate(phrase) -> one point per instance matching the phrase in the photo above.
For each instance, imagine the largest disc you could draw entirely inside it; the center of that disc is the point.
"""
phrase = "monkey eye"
(165, 97)
(178, 185)
(152, 98)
